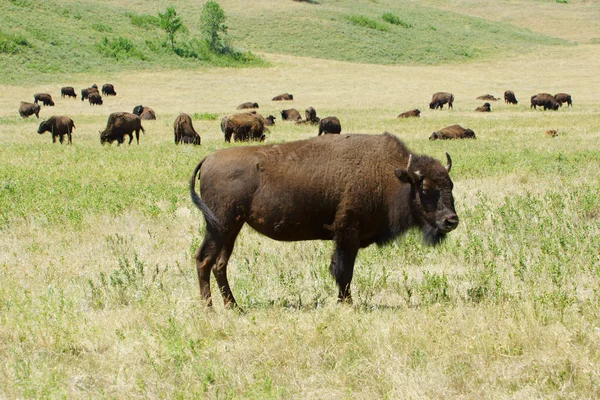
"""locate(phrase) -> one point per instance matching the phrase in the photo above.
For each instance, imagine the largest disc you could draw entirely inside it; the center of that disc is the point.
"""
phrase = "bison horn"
(449, 163)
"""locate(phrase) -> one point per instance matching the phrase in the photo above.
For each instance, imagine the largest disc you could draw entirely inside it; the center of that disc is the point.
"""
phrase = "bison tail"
(142, 128)
(209, 216)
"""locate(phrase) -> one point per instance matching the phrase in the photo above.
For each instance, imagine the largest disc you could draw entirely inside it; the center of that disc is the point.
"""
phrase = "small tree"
(212, 24)
(171, 23)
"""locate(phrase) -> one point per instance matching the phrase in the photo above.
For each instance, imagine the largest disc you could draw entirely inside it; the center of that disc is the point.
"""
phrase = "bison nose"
(451, 222)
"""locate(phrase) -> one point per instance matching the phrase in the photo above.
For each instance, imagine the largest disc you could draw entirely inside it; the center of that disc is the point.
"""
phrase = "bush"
(11, 44)
(102, 27)
(366, 22)
(393, 19)
(119, 48)
(144, 21)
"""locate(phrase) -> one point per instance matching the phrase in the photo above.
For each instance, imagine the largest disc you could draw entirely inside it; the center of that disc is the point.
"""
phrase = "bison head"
(431, 196)
(44, 127)
(436, 135)
(432, 105)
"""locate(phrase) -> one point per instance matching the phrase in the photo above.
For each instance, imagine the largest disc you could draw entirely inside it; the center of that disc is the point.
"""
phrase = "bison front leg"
(342, 269)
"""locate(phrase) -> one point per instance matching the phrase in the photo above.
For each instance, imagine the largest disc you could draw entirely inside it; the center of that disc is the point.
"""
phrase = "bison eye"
(429, 198)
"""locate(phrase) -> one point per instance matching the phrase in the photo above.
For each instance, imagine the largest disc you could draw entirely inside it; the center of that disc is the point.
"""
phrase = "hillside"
(41, 39)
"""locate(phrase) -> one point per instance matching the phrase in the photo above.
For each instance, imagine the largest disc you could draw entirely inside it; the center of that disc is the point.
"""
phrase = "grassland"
(98, 293)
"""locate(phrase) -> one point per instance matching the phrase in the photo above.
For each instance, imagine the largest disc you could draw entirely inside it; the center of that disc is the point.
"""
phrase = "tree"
(212, 25)
(171, 23)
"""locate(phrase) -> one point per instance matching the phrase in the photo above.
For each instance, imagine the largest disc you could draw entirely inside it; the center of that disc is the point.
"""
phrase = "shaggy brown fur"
(440, 98)
(488, 97)
(184, 131)
(509, 97)
(453, 132)
(285, 96)
(563, 98)
(108, 89)
(120, 124)
(243, 127)
(45, 98)
(329, 125)
(247, 105)
(95, 99)
(86, 92)
(290, 115)
(410, 114)
(68, 91)
(544, 100)
(58, 126)
(355, 190)
(26, 109)
(484, 108)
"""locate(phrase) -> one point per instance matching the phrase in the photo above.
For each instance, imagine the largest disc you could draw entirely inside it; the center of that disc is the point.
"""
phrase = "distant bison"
(439, 99)
(551, 133)
(108, 89)
(484, 108)
(285, 96)
(86, 92)
(184, 131)
(58, 126)
(310, 117)
(145, 113)
(45, 98)
(453, 132)
(268, 121)
(544, 100)
(247, 105)
(120, 124)
(243, 127)
(410, 114)
(509, 97)
(290, 115)
(27, 109)
(488, 97)
(68, 91)
(563, 98)
(95, 99)
(329, 125)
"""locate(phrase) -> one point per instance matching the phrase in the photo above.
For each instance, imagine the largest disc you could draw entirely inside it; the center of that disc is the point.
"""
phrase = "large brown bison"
(484, 108)
(290, 115)
(267, 121)
(544, 100)
(86, 92)
(108, 89)
(355, 190)
(58, 126)
(184, 131)
(26, 109)
(120, 124)
(410, 114)
(95, 99)
(439, 99)
(329, 125)
(563, 98)
(68, 91)
(488, 97)
(285, 96)
(453, 132)
(247, 105)
(243, 127)
(45, 98)
(144, 112)
(509, 97)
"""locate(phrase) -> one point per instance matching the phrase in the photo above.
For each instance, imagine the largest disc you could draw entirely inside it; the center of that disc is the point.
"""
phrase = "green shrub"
(144, 21)
(119, 48)
(205, 116)
(102, 27)
(393, 19)
(11, 44)
(366, 22)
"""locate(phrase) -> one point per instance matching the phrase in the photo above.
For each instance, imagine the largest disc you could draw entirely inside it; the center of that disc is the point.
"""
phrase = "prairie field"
(98, 288)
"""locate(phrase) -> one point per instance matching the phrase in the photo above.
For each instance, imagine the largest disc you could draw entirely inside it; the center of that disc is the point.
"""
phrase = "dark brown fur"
(95, 99)
(355, 190)
(440, 98)
(86, 92)
(108, 89)
(410, 114)
(563, 98)
(285, 96)
(488, 97)
(310, 117)
(484, 108)
(453, 132)
(184, 131)
(120, 124)
(329, 125)
(68, 91)
(243, 127)
(544, 100)
(26, 109)
(247, 105)
(58, 126)
(45, 98)
(290, 115)
(509, 97)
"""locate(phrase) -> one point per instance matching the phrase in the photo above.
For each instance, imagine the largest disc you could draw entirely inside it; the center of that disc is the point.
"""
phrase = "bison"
(285, 96)
(488, 97)
(247, 105)
(108, 89)
(453, 132)
(410, 114)
(290, 115)
(184, 131)
(45, 98)
(310, 117)
(544, 100)
(354, 190)
(484, 108)
(86, 92)
(509, 97)
(551, 133)
(561, 98)
(439, 99)
(95, 99)
(68, 91)
(268, 121)
(58, 125)
(26, 109)
(144, 112)
(120, 124)
(243, 127)
(329, 125)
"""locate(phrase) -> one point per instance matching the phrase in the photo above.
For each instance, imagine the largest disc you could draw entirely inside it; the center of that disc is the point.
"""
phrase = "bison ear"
(409, 175)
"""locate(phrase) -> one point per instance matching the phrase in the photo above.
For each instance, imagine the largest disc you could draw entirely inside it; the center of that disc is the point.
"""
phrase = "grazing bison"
(27, 109)
(453, 132)
(439, 99)
(120, 124)
(247, 105)
(45, 98)
(551, 133)
(563, 98)
(95, 99)
(484, 108)
(268, 121)
(86, 92)
(509, 97)
(329, 125)
(58, 125)
(285, 96)
(355, 190)
(290, 115)
(68, 91)
(108, 89)
(488, 97)
(243, 127)
(184, 131)
(544, 100)
(409, 114)
(144, 112)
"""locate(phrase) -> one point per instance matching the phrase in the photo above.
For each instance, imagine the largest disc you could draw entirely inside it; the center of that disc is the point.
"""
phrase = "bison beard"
(353, 189)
